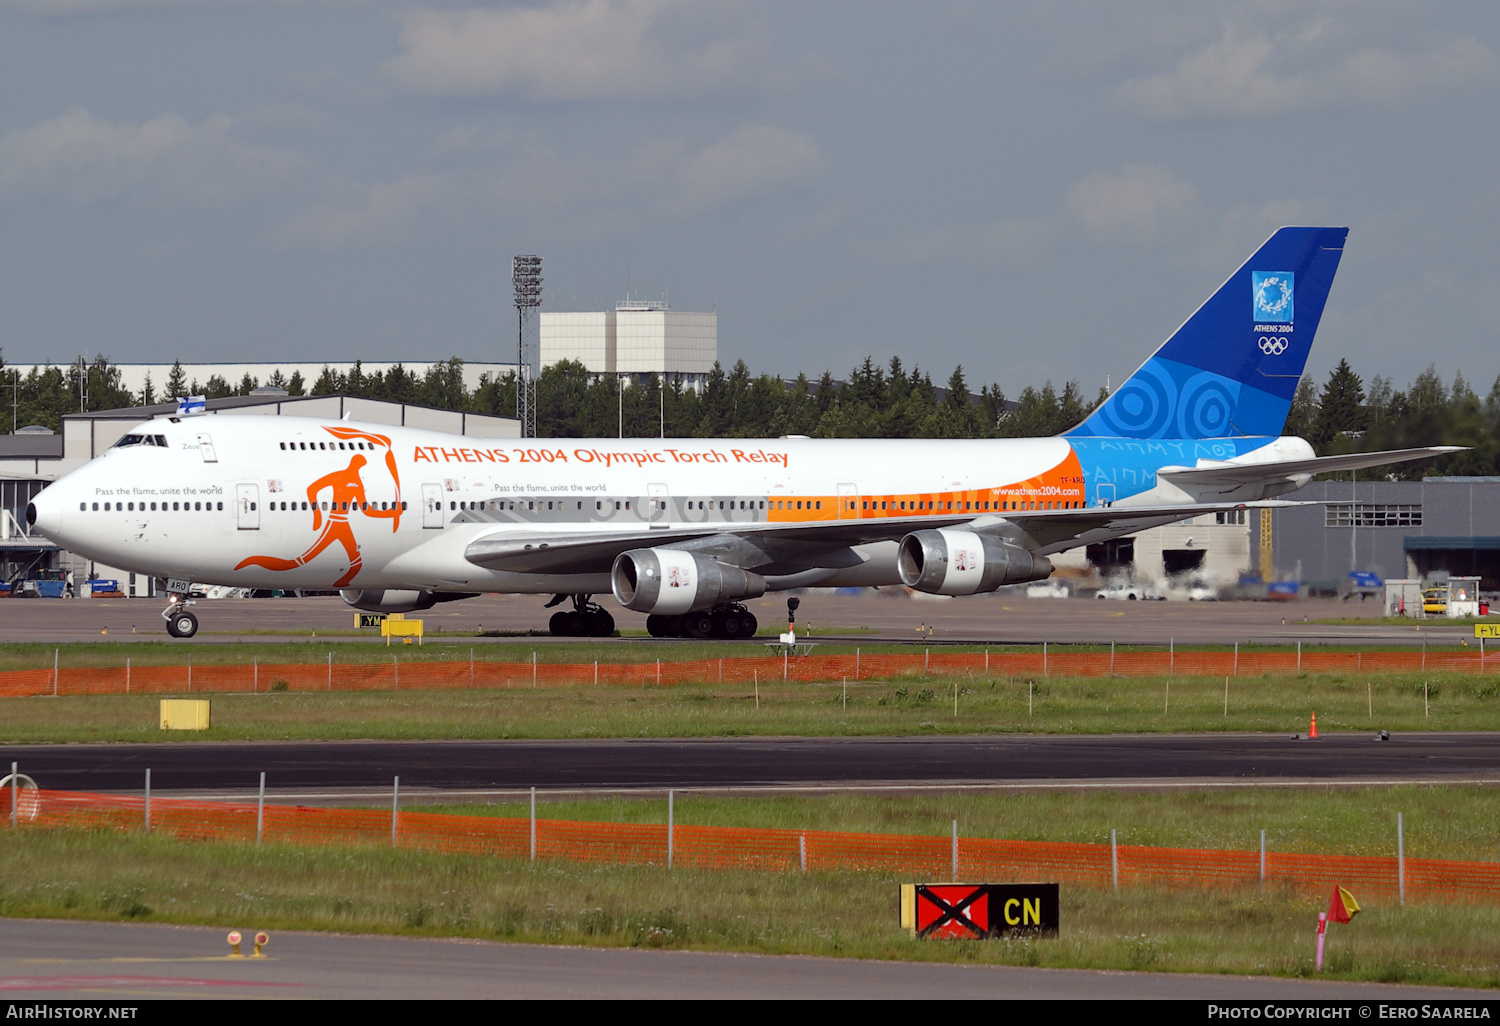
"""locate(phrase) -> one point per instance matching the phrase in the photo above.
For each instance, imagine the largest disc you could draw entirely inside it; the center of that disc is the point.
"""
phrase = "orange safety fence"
(414, 674)
(749, 848)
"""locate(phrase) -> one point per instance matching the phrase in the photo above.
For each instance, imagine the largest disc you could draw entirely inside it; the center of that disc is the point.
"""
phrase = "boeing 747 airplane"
(685, 530)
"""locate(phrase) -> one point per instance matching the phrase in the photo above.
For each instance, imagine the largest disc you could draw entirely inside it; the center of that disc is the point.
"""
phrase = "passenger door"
(247, 506)
(658, 512)
(432, 504)
(848, 501)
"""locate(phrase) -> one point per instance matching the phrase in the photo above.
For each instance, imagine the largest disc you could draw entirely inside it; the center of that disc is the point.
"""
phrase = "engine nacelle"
(950, 562)
(670, 581)
(389, 601)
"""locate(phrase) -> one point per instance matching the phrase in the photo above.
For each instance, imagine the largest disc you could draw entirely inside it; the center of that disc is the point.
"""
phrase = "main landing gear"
(729, 622)
(180, 623)
(585, 620)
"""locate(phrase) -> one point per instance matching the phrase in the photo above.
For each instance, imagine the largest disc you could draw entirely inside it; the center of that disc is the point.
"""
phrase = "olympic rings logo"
(1273, 346)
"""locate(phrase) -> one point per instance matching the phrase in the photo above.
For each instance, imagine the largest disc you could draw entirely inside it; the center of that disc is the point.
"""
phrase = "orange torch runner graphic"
(348, 496)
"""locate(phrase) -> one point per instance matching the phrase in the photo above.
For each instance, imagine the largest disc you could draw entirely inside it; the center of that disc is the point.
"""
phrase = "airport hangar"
(33, 458)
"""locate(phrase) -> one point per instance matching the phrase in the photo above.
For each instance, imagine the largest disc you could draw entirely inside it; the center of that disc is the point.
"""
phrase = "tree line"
(873, 401)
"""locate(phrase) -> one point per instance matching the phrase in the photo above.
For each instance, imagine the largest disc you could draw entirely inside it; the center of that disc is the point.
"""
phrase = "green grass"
(1440, 822)
(910, 704)
(126, 876)
(315, 651)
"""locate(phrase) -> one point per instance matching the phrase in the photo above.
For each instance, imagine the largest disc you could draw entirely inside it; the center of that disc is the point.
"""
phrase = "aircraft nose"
(44, 513)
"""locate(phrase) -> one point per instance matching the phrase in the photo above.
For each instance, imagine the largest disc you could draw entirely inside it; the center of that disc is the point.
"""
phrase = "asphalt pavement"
(770, 763)
(129, 964)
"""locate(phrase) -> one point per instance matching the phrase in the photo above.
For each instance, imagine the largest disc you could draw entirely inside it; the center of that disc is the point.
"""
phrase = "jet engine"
(389, 601)
(950, 562)
(670, 581)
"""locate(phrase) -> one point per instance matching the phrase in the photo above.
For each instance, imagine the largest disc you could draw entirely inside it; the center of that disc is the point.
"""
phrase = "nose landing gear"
(585, 620)
(180, 623)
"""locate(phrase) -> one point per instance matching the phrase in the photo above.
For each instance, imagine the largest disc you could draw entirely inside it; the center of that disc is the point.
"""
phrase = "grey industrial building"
(1396, 529)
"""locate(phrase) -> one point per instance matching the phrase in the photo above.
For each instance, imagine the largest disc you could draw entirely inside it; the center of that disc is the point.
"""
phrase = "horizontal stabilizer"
(1212, 472)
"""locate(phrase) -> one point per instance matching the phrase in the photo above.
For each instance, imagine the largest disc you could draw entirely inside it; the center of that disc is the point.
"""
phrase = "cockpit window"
(158, 440)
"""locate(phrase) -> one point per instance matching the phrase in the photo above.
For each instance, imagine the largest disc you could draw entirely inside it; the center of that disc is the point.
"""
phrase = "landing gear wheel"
(182, 625)
(584, 620)
(698, 625)
(658, 626)
(748, 624)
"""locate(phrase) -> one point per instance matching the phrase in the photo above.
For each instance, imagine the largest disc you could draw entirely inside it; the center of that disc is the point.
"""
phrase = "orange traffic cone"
(1312, 733)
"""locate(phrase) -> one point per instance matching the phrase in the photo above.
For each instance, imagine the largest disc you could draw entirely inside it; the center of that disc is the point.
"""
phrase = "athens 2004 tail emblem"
(348, 496)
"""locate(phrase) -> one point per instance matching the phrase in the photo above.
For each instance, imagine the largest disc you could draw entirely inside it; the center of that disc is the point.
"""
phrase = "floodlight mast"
(526, 276)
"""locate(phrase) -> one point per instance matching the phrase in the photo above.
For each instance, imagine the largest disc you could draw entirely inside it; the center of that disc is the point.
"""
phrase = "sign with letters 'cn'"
(979, 910)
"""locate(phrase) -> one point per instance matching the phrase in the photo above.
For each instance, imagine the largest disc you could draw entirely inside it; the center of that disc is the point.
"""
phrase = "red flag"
(1342, 907)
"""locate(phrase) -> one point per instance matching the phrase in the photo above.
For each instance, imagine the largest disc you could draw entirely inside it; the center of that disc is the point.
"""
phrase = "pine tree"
(1302, 417)
(329, 382)
(1341, 407)
(176, 382)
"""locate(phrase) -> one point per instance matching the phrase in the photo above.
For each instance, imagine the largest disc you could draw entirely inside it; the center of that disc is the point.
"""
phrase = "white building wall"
(691, 342)
(1226, 549)
(588, 338)
(641, 341)
(633, 341)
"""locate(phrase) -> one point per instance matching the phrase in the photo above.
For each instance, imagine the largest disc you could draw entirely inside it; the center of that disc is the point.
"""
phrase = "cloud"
(579, 50)
(1008, 241)
(372, 213)
(86, 159)
(747, 162)
(1132, 203)
(1242, 75)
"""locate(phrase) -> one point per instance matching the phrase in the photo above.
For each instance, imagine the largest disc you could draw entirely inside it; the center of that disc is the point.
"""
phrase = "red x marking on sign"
(954, 911)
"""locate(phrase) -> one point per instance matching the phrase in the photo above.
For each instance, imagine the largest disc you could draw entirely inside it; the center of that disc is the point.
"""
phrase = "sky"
(1037, 191)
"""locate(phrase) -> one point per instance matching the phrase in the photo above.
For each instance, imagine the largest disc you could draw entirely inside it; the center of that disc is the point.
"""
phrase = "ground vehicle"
(1435, 601)
(1047, 589)
(1128, 592)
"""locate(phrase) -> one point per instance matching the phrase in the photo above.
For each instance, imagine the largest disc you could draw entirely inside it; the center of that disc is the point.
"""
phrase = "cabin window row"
(326, 445)
(524, 505)
(141, 507)
(340, 507)
(970, 506)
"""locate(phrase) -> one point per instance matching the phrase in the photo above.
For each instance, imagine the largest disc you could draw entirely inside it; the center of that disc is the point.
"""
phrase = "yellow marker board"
(1487, 630)
(399, 627)
(184, 714)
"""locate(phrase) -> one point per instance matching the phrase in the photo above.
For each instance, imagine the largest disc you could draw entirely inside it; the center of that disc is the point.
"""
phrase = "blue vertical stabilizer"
(1232, 368)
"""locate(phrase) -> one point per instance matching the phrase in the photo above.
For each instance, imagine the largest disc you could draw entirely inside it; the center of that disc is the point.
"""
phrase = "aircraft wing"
(1212, 472)
(802, 546)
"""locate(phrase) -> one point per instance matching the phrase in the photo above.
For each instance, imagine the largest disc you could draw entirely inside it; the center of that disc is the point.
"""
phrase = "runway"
(1139, 760)
(857, 618)
(127, 963)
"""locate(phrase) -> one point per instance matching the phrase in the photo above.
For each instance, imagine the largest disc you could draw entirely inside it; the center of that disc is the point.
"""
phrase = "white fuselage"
(288, 502)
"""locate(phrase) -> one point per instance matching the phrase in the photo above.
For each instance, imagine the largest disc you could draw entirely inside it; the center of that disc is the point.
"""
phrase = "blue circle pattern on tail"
(1166, 399)
(1233, 366)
